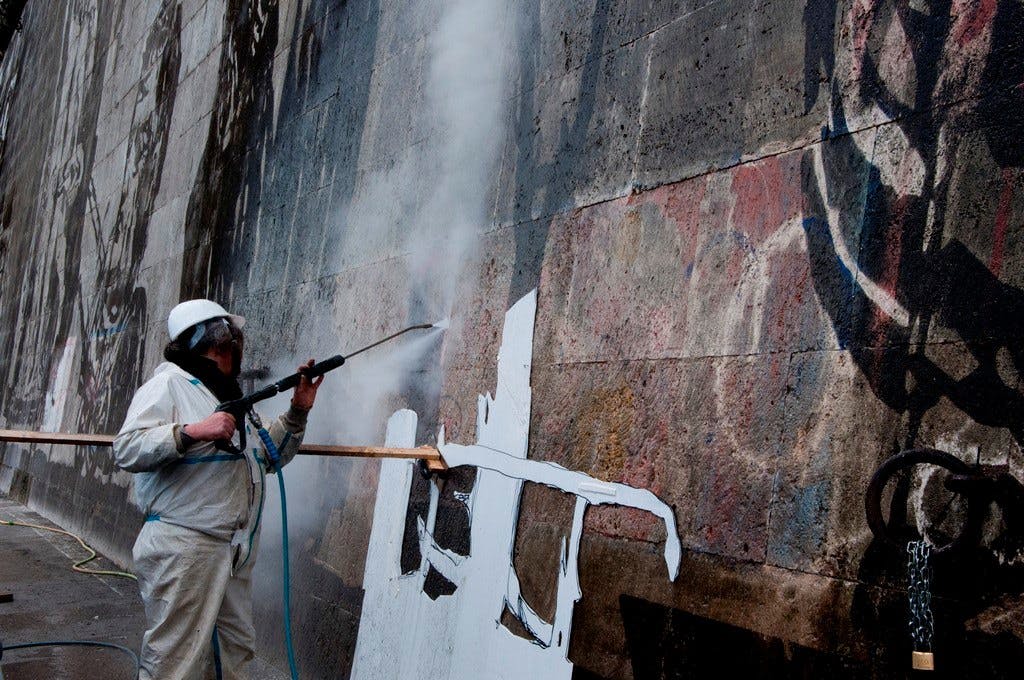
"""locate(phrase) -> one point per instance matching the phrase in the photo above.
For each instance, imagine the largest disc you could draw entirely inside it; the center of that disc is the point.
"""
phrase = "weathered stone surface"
(803, 609)
(724, 86)
(710, 458)
(888, 62)
(817, 523)
(572, 137)
(773, 243)
(680, 271)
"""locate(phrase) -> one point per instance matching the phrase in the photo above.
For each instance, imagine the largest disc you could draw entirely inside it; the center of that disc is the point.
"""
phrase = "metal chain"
(919, 592)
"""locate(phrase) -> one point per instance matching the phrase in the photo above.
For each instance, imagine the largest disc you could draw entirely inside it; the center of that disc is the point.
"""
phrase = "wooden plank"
(427, 453)
(56, 438)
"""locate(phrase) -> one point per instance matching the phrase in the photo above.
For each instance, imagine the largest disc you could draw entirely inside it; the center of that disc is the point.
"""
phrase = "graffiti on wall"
(238, 136)
(87, 316)
(61, 209)
(460, 634)
(886, 220)
(907, 228)
(115, 317)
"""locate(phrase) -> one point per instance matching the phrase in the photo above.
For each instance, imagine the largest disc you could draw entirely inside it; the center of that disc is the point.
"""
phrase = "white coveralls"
(195, 553)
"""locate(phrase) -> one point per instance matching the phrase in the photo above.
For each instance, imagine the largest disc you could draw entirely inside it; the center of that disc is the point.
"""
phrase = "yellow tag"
(922, 661)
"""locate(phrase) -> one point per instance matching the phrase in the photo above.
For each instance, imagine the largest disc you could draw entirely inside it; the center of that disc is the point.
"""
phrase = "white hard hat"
(191, 312)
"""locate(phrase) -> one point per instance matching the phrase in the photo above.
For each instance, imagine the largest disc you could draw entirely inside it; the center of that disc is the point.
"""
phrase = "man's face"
(225, 339)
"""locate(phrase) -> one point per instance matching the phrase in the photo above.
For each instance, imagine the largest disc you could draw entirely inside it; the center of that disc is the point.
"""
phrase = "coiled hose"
(77, 566)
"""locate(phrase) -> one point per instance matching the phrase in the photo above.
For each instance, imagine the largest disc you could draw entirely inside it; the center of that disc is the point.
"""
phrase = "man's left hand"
(305, 392)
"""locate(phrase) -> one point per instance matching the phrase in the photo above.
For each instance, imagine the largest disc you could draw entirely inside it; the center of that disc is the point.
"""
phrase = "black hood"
(224, 387)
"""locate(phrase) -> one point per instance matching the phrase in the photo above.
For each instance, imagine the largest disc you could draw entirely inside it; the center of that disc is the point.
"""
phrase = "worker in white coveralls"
(195, 553)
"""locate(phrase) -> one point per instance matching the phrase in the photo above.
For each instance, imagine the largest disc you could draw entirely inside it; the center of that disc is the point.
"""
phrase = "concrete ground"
(52, 602)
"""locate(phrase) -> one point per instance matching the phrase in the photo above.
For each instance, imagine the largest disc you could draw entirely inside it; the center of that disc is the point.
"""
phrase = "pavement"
(52, 602)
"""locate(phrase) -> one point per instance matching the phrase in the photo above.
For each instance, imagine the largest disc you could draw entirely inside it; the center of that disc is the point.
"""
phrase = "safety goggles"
(203, 328)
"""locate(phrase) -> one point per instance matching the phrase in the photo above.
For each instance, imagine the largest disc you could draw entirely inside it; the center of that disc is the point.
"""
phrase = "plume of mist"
(467, 94)
(423, 214)
(437, 195)
(348, 410)
(351, 397)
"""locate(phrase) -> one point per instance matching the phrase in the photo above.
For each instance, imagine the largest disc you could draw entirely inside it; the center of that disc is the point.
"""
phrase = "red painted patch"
(972, 18)
(791, 287)
(681, 203)
(734, 265)
(889, 278)
(767, 194)
(861, 20)
(995, 263)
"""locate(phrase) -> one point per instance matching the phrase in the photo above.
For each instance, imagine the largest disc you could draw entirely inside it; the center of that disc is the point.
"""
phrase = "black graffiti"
(115, 318)
(963, 338)
(227, 186)
(63, 206)
(938, 279)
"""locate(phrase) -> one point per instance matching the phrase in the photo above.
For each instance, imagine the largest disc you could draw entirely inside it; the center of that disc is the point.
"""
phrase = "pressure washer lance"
(243, 405)
(240, 408)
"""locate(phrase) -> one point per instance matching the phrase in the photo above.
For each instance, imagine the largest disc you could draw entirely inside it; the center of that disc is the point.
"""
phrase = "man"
(195, 553)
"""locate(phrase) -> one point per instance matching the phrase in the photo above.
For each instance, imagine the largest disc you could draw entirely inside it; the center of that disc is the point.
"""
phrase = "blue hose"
(275, 459)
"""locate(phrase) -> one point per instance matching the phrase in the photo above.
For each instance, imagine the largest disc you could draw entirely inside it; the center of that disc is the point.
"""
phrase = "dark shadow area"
(227, 185)
(934, 279)
(250, 178)
(912, 246)
(552, 180)
(670, 644)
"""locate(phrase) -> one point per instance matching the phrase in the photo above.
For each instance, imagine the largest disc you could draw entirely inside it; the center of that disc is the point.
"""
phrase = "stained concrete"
(709, 196)
(52, 602)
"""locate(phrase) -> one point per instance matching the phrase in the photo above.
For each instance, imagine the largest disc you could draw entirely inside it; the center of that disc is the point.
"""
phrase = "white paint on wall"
(405, 634)
(882, 298)
(60, 386)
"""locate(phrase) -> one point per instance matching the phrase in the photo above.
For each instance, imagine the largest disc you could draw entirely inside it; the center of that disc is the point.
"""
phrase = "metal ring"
(905, 460)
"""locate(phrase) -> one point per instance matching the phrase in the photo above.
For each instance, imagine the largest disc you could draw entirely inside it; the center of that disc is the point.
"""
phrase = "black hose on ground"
(75, 643)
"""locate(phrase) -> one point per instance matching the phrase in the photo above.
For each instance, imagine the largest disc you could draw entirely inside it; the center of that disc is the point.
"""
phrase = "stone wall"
(774, 243)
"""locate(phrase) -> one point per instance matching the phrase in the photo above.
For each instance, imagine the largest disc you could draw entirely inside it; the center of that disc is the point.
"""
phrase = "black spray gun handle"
(240, 407)
(314, 371)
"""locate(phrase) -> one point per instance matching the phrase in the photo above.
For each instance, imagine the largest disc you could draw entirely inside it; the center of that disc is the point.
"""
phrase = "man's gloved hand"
(305, 392)
(217, 426)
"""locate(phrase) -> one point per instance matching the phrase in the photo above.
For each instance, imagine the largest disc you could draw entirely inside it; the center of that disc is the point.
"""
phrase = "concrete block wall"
(774, 243)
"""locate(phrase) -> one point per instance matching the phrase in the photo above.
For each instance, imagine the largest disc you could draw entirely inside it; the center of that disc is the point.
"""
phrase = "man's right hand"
(217, 426)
